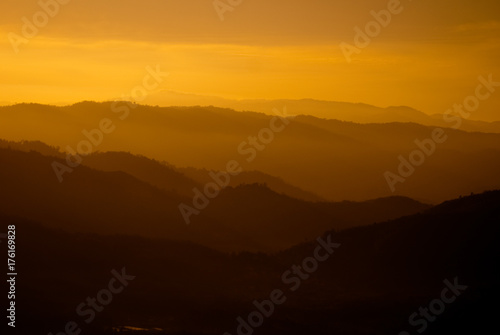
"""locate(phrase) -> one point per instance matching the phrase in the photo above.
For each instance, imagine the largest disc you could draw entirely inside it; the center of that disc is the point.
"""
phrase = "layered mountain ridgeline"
(276, 184)
(331, 159)
(107, 202)
(162, 174)
(378, 278)
(345, 111)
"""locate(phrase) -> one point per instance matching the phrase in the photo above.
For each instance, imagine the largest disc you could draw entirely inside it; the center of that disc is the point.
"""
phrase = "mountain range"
(326, 159)
(343, 111)
(104, 200)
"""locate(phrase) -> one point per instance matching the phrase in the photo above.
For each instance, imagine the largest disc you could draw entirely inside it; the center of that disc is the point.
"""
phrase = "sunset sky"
(429, 56)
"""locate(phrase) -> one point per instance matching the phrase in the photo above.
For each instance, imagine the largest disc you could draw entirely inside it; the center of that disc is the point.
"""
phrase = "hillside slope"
(110, 202)
(379, 276)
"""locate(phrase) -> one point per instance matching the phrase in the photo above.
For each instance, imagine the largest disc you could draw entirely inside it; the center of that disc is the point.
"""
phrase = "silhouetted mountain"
(280, 217)
(162, 174)
(109, 202)
(151, 171)
(333, 159)
(374, 281)
(254, 177)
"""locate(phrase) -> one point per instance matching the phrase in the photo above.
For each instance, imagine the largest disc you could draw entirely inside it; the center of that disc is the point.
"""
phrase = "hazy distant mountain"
(344, 111)
(379, 276)
(333, 159)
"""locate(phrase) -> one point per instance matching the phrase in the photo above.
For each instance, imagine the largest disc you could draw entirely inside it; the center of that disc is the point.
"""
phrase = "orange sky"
(428, 57)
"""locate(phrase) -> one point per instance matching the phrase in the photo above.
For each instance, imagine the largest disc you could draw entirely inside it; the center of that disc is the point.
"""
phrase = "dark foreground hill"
(376, 280)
